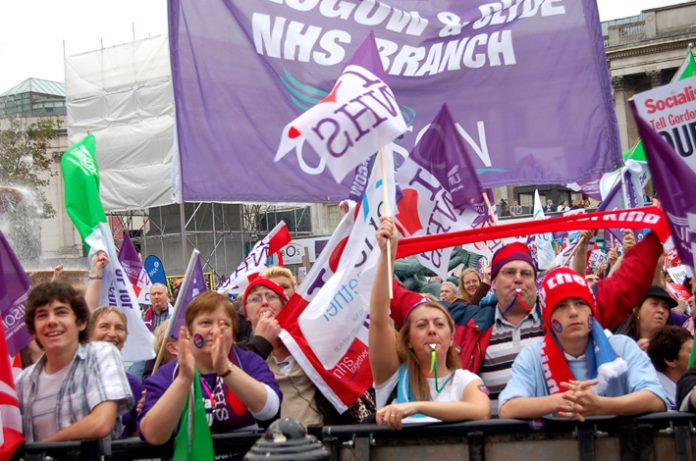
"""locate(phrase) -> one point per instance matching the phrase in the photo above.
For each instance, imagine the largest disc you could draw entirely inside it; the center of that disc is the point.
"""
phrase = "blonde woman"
(421, 364)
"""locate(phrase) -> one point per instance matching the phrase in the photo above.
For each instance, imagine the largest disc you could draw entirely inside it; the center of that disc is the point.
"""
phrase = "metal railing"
(654, 436)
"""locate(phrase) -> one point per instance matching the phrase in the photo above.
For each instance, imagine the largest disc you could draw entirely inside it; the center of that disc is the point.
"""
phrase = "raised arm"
(580, 257)
(627, 286)
(94, 285)
(384, 359)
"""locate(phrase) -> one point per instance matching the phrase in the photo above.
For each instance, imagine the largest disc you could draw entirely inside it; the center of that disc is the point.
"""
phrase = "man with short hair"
(669, 351)
(576, 371)
(160, 310)
(77, 389)
(448, 292)
(550, 207)
(515, 208)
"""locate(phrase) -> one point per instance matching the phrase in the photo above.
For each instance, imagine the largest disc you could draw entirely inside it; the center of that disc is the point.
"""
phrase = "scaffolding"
(222, 232)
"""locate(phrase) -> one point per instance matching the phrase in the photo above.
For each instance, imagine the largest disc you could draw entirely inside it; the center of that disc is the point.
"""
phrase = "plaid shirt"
(95, 376)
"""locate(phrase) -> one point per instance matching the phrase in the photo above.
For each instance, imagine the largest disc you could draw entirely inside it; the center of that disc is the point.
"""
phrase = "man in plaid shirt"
(77, 389)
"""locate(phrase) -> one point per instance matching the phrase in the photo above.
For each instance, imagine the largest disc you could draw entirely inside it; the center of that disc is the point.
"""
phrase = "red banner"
(638, 218)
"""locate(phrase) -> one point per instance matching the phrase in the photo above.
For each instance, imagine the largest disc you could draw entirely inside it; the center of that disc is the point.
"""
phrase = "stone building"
(643, 51)
(28, 101)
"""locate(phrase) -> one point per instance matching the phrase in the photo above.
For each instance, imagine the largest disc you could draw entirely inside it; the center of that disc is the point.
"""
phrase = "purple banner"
(528, 84)
(441, 151)
(675, 182)
(130, 260)
(133, 267)
(192, 286)
(14, 288)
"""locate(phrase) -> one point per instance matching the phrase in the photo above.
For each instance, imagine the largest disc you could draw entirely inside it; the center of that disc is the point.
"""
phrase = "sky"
(35, 35)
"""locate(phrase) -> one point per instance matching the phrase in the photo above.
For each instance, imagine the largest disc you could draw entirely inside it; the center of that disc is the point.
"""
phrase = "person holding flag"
(422, 365)
(576, 371)
(83, 204)
(238, 389)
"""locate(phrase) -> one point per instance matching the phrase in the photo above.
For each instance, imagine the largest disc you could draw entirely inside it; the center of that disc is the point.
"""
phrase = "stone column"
(619, 84)
(655, 77)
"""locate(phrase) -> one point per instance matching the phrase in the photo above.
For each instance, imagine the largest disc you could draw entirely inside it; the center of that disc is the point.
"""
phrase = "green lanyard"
(433, 367)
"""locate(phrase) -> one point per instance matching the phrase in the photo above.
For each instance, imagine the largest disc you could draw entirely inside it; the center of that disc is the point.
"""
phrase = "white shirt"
(44, 407)
(452, 392)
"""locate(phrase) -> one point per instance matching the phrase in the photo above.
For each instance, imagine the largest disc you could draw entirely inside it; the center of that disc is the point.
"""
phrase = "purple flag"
(130, 261)
(675, 182)
(192, 286)
(242, 70)
(14, 288)
(441, 151)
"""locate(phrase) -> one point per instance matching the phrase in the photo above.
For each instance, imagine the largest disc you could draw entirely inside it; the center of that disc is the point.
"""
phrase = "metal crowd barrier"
(658, 436)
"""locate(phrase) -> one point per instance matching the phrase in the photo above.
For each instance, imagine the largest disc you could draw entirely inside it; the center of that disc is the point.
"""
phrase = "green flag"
(84, 205)
(637, 153)
(686, 70)
(194, 440)
(81, 176)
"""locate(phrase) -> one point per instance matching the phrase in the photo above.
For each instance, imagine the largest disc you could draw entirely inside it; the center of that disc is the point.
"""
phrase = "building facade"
(29, 101)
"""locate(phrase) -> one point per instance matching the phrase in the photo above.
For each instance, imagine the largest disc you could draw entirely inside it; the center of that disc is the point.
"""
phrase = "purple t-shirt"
(223, 411)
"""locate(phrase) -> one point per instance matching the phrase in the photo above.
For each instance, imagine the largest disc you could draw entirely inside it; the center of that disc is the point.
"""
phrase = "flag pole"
(494, 218)
(490, 208)
(388, 213)
(177, 307)
(192, 409)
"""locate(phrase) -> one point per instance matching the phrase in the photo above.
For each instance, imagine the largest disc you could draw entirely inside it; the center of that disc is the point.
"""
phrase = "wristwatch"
(229, 370)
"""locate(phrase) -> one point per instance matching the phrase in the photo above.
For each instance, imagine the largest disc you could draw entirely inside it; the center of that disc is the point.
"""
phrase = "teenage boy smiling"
(77, 389)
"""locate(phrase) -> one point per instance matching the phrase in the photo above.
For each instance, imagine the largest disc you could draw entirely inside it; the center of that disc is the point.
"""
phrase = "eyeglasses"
(511, 273)
(256, 299)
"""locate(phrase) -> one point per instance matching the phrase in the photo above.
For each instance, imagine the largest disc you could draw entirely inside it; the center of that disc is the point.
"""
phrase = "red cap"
(560, 284)
(268, 283)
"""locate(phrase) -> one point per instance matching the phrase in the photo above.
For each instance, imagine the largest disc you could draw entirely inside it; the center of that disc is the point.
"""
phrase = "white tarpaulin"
(123, 95)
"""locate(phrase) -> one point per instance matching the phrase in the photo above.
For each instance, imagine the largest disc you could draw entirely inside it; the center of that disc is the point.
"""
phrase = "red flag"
(10, 419)
(255, 263)
(343, 384)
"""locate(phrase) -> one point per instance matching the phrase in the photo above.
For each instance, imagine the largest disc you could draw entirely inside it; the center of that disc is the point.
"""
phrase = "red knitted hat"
(268, 283)
(560, 284)
(515, 251)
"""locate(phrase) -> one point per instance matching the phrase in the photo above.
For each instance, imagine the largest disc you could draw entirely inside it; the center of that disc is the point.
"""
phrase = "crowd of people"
(509, 342)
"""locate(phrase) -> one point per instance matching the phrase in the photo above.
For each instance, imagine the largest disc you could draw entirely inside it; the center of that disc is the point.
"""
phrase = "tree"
(25, 159)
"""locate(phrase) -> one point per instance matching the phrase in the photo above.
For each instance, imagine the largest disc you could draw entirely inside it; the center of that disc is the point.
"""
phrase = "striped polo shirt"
(507, 340)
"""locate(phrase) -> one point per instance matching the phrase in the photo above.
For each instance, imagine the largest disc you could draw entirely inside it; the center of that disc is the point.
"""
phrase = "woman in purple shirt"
(238, 387)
